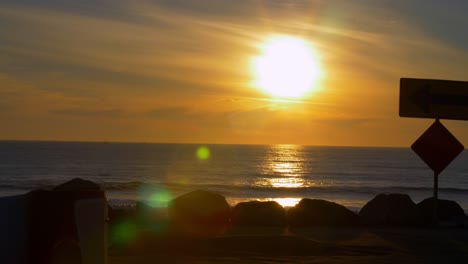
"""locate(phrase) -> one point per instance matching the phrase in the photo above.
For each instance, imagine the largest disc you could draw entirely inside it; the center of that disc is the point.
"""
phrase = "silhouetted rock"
(199, 213)
(119, 214)
(392, 210)
(313, 212)
(446, 211)
(153, 217)
(256, 213)
(78, 184)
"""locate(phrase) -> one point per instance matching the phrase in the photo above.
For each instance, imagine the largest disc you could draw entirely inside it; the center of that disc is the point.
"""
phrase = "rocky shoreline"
(202, 226)
(205, 214)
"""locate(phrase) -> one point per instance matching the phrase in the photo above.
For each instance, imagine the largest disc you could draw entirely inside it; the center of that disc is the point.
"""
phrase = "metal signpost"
(438, 99)
(437, 147)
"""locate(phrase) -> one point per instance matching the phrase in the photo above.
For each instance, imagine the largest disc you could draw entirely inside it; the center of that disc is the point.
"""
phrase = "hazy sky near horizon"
(178, 70)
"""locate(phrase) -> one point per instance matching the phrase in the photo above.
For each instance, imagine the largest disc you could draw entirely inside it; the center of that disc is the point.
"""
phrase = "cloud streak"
(112, 113)
(185, 64)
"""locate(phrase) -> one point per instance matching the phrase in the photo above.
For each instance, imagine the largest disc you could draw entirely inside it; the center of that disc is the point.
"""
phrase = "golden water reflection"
(286, 182)
(287, 202)
(283, 167)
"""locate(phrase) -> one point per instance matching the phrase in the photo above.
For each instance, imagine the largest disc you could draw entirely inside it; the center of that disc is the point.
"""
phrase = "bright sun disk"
(287, 67)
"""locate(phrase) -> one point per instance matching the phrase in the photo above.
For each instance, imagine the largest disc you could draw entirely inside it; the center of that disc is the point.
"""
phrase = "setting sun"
(224, 131)
(286, 67)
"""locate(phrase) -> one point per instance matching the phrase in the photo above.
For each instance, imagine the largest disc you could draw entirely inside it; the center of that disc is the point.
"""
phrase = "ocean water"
(156, 173)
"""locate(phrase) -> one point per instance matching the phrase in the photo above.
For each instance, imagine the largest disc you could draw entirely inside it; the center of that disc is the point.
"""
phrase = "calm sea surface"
(285, 173)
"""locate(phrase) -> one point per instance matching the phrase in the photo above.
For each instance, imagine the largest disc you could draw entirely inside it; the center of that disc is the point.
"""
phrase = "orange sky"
(178, 71)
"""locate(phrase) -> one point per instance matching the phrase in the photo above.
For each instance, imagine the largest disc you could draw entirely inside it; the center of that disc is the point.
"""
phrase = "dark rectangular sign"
(426, 98)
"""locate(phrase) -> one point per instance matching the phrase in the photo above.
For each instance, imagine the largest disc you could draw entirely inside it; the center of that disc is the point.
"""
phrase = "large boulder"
(78, 184)
(446, 211)
(199, 213)
(314, 212)
(390, 210)
(153, 217)
(256, 213)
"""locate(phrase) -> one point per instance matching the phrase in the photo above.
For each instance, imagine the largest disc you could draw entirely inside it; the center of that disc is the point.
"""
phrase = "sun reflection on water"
(283, 167)
(286, 182)
(287, 202)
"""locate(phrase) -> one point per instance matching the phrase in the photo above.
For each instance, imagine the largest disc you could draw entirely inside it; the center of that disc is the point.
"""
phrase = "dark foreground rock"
(446, 211)
(391, 210)
(151, 217)
(200, 213)
(78, 184)
(312, 212)
(256, 213)
(119, 214)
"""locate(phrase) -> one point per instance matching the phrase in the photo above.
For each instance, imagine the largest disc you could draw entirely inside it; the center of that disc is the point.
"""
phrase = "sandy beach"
(312, 245)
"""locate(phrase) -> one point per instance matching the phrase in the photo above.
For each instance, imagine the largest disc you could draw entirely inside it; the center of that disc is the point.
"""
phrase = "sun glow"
(286, 67)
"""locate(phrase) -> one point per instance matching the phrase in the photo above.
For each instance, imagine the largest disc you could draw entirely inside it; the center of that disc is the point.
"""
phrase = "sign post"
(435, 218)
(439, 99)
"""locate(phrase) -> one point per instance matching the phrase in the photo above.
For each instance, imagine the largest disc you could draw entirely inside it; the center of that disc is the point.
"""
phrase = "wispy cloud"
(170, 64)
(90, 113)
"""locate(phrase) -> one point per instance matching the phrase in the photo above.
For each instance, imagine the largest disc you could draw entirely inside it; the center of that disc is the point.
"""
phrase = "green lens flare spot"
(203, 153)
(124, 233)
(160, 198)
(154, 196)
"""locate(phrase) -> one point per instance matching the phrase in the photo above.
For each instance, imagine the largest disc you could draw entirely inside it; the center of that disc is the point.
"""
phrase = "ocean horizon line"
(196, 143)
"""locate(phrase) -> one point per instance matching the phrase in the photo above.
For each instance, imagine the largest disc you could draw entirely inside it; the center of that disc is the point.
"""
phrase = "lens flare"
(203, 153)
(160, 198)
(123, 233)
(155, 196)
